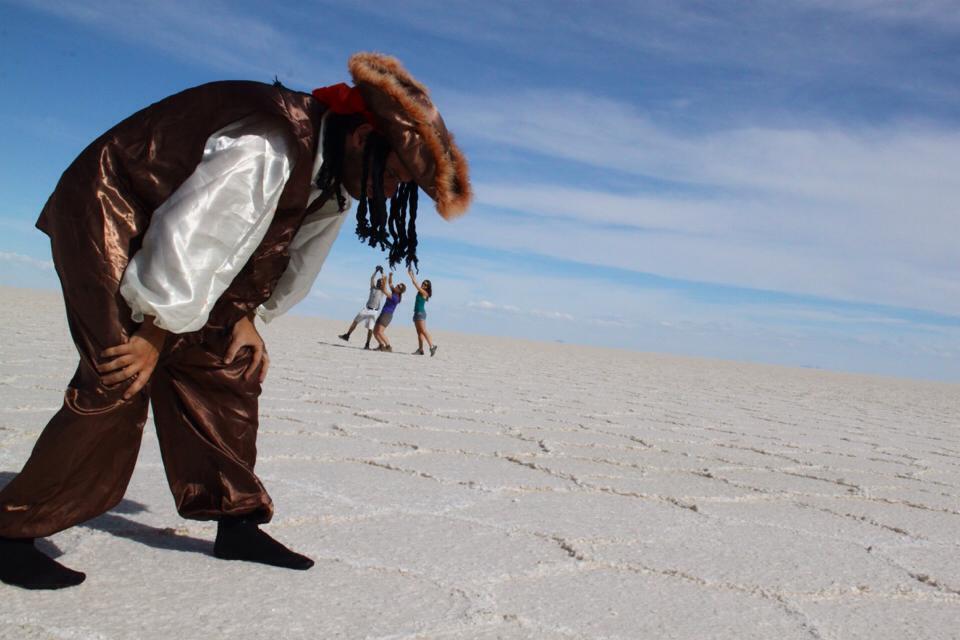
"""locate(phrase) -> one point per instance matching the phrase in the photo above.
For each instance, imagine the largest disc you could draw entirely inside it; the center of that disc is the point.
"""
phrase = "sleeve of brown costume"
(204, 233)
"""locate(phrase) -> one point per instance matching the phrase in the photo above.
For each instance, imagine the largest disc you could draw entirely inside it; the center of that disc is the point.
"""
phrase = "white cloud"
(20, 259)
(866, 214)
(486, 305)
(19, 225)
(214, 34)
(758, 264)
(814, 163)
(805, 38)
(937, 14)
(551, 315)
(20, 270)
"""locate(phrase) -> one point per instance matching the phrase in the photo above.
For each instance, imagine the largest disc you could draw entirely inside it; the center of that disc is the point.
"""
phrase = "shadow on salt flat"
(344, 345)
(117, 525)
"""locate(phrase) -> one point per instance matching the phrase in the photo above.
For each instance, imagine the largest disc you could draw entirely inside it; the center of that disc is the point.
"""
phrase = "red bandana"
(345, 100)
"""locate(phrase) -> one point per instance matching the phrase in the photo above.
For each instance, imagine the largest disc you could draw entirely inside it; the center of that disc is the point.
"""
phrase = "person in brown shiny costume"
(159, 318)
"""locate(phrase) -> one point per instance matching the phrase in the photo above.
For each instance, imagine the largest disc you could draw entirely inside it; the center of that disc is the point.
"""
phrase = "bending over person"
(229, 216)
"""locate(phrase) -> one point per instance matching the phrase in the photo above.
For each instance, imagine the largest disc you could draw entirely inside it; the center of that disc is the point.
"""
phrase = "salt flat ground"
(509, 489)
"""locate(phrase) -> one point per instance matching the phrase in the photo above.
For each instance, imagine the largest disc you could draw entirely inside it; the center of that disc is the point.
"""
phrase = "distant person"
(424, 292)
(380, 328)
(368, 315)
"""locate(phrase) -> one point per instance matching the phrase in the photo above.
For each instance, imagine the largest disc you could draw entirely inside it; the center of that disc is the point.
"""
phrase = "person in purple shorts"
(393, 299)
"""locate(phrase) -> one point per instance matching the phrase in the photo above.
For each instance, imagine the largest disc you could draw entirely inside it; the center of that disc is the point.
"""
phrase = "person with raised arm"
(394, 295)
(371, 311)
(424, 293)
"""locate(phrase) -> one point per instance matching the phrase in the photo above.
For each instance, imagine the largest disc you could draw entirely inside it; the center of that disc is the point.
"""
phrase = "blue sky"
(763, 181)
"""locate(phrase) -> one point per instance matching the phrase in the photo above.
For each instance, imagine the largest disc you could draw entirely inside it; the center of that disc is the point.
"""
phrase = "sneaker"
(345, 337)
(433, 350)
(418, 352)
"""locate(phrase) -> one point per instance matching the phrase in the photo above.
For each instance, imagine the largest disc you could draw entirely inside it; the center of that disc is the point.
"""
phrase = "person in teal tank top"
(424, 293)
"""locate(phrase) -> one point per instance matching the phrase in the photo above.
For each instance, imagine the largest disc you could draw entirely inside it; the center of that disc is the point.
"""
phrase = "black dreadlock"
(388, 230)
(374, 165)
(331, 171)
(404, 233)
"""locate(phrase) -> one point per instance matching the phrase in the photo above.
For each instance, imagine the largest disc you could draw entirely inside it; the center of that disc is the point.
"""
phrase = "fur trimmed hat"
(406, 116)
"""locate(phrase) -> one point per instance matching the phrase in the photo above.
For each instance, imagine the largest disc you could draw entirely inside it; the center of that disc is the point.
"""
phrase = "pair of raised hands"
(137, 358)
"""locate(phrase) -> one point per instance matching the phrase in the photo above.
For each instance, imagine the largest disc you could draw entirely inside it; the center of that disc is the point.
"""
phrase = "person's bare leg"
(369, 336)
(382, 337)
(346, 336)
(422, 333)
(419, 351)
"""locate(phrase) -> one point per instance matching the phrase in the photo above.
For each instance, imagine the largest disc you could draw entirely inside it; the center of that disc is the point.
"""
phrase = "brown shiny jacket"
(103, 203)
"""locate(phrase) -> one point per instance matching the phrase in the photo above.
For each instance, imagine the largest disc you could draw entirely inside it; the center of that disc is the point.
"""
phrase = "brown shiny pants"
(205, 415)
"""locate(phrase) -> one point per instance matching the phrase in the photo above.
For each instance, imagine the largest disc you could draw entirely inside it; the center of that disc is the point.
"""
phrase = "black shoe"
(23, 565)
(345, 337)
(239, 539)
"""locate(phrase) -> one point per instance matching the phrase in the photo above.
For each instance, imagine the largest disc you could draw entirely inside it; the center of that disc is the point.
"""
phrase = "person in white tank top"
(368, 315)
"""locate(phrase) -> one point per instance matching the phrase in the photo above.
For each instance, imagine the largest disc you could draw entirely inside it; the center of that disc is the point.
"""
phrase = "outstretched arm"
(416, 285)
(373, 278)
